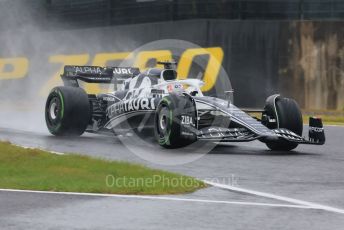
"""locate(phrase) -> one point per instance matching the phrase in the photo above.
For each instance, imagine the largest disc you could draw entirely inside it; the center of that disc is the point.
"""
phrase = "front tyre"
(287, 114)
(175, 121)
(67, 111)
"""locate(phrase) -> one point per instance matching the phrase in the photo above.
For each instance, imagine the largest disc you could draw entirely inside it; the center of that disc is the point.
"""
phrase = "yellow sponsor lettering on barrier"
(13, 68)
(18, 67)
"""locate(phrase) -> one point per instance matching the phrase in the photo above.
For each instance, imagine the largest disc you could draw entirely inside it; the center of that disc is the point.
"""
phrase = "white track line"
(277, 197)
(39, 148)
(166, 198)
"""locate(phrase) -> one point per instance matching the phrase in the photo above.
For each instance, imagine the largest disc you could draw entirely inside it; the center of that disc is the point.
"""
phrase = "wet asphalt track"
(311, 173)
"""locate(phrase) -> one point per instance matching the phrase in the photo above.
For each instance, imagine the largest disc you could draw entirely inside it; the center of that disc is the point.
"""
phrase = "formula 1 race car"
(176, 110)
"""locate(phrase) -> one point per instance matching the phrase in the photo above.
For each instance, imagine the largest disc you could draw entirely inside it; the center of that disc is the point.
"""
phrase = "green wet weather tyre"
(67, 111)
(168, 126)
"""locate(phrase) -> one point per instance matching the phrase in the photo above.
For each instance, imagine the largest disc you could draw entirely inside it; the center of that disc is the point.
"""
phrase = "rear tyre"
(67, 111)
(288, 116)
(175, 121)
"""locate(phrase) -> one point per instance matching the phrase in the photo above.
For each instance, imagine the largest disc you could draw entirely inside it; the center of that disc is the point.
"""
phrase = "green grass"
(34, 169)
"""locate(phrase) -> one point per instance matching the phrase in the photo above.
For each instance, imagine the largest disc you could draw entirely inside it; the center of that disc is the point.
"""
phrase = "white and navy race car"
(176, 110)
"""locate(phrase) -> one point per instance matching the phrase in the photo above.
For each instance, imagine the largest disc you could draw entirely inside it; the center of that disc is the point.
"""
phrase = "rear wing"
(96, 74)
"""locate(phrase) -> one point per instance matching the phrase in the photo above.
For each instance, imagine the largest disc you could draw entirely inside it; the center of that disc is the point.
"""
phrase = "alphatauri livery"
(176, 110)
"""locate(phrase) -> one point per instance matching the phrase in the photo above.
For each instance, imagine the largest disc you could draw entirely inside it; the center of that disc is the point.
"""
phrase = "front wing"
(218, 134)
(251, 129)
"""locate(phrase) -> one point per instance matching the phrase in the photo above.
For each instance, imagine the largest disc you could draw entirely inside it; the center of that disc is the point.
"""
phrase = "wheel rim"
(163, 121)
(53, 112)
(53, 109)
